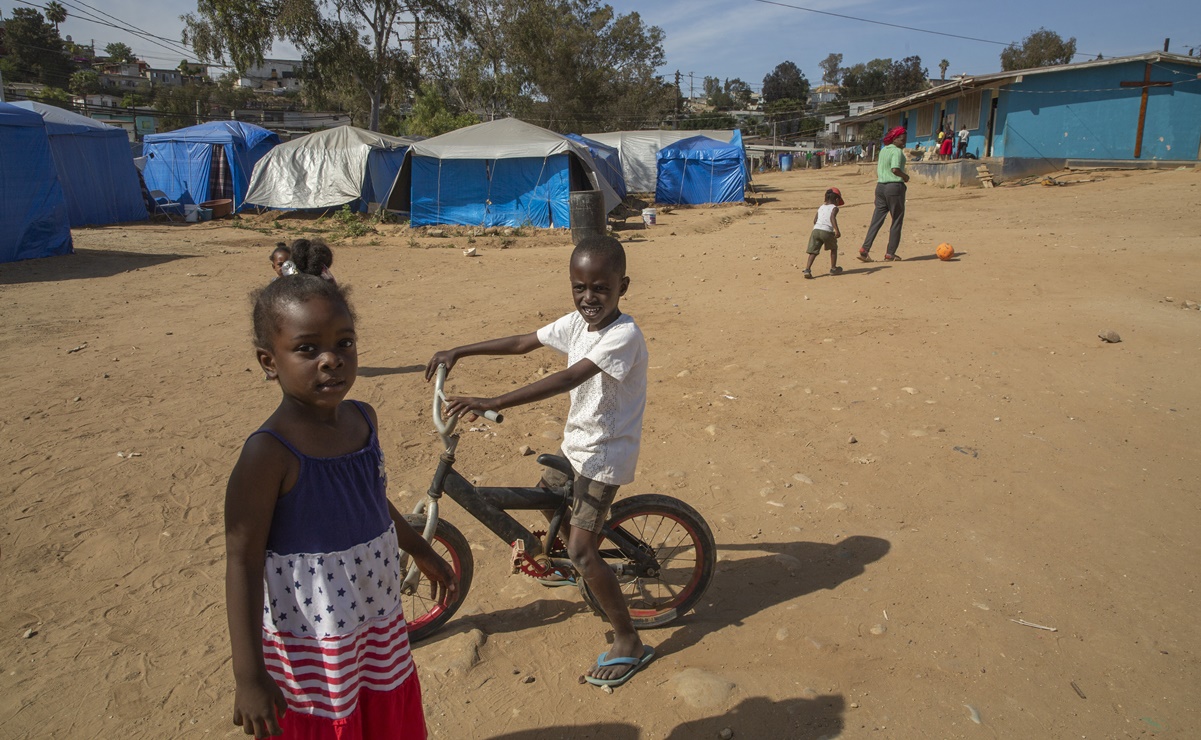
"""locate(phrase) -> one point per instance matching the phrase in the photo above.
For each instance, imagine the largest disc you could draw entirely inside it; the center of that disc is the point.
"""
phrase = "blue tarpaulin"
(500, 173)
(33, 213)
(701, 170)
(95, 167)
(180, 163)
(608, 163)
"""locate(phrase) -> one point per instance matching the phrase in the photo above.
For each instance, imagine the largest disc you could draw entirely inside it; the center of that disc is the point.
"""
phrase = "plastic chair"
(164, 205)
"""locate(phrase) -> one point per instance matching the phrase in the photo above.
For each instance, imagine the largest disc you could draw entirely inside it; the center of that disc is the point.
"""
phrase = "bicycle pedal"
(518, 555)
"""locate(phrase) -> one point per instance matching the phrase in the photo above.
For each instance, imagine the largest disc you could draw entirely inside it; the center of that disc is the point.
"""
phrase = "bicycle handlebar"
(444, 426)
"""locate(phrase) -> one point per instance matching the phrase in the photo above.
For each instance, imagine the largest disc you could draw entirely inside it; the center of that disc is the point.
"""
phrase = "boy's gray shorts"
(591, 499)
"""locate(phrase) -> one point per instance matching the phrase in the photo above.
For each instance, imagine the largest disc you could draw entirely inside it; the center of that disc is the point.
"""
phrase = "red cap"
(837, 192)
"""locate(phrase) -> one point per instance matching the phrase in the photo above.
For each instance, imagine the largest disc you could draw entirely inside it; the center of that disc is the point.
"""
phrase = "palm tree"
(55, 13)
(942, 68)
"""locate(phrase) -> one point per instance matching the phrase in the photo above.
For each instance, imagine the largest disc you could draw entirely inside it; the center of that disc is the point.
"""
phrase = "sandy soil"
(1007, 465)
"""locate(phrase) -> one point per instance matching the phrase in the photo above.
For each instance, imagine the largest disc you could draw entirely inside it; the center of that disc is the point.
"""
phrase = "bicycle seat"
(557, 462)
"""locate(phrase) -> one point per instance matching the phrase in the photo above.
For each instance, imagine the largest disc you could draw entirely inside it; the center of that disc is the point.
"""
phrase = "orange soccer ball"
(945, 251)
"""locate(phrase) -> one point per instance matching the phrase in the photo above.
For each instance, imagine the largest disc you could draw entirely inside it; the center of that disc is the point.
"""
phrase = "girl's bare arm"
(250, 499)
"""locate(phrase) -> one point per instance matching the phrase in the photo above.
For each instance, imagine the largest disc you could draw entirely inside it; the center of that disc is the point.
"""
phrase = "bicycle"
(660, 548)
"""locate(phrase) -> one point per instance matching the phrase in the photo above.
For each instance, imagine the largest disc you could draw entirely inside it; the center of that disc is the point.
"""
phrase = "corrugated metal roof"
(968, 83)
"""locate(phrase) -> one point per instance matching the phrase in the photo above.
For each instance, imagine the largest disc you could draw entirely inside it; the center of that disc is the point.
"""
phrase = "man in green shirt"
(890, 195)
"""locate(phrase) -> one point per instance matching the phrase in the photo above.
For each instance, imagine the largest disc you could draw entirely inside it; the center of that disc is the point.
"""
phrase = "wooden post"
(1146, 84)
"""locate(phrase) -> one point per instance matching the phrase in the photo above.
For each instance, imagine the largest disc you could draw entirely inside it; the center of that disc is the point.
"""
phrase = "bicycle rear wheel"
(674, 534)
(426, 616)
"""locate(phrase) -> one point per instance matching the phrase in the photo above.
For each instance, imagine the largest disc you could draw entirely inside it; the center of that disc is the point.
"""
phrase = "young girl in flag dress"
(319, 639)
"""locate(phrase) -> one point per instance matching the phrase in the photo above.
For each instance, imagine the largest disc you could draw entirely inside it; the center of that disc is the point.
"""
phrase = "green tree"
(784, 82)
(431, 117)
(55, 13)
(883, 77)
(84, 82)
(942, 69)
(865, 80)
(563, 64)
(473, 66)
(906, 76)
(345, 43)
(55, 96)
(583, 66)
(831, 69)
(739, 91)
(119, 53)
(871, 131)
(1042, 48)
(35, 51)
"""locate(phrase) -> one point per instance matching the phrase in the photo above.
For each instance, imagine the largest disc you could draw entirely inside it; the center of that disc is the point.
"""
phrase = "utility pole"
(675, 119)
(690, 89)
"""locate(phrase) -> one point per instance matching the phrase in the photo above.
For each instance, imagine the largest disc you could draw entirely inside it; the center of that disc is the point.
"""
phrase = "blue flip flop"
(636, 664)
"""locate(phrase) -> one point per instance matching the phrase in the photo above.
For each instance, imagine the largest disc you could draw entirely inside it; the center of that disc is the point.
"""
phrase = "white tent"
(327, 169)
(639, 151)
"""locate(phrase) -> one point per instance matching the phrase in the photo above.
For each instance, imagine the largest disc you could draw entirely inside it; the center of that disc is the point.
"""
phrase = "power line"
(897, 25)
(84, 15)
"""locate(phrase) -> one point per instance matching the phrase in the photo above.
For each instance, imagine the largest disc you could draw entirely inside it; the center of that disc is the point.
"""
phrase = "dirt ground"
(898, 463)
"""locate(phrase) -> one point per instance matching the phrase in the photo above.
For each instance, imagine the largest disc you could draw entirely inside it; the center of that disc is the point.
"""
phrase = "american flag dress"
(334, 634)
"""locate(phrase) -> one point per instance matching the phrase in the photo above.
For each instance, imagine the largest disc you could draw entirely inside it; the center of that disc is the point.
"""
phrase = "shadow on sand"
(85, 263)
(375, 372)
(743, 588)
(922, 257)
(757, 717)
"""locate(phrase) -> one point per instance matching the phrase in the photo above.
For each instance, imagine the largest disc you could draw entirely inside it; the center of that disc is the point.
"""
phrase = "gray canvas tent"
(327, 169)
(639, 152)
(499, 173)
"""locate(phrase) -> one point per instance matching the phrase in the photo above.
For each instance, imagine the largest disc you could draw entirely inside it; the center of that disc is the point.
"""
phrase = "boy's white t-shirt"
(604, 426)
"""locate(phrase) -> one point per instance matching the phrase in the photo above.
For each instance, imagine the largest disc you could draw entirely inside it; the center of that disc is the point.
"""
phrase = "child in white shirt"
(606, 377)
(825, 233)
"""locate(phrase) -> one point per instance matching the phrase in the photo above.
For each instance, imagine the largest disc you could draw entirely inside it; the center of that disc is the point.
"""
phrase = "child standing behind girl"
(324, 652)
(825, 233)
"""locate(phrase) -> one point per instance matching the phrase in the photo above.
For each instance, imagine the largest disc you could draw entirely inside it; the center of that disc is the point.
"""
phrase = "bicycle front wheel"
(426, 616)
(678, 538)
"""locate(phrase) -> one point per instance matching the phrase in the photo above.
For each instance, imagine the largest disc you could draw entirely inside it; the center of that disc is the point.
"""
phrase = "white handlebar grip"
(493, 416)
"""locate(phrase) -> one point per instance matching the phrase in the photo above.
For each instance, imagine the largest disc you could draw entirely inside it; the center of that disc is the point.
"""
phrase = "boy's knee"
(583, 552)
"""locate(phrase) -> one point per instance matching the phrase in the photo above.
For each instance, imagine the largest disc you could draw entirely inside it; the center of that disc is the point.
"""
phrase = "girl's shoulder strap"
(362, 407)
(281, 440)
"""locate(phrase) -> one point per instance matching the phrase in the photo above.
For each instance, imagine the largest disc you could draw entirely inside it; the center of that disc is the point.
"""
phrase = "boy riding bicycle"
(606, 377)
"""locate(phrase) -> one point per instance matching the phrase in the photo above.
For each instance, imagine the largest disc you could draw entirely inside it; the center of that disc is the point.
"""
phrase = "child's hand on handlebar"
(460, 405)
(445, 357)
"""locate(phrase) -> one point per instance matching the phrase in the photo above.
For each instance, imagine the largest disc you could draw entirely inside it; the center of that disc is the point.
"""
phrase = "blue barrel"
(785, 162)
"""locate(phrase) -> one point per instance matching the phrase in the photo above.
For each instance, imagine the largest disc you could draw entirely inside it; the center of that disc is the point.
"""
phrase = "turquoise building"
(1137, 109)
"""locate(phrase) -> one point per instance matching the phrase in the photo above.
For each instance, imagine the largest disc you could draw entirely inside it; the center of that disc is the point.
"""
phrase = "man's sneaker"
(808, 275)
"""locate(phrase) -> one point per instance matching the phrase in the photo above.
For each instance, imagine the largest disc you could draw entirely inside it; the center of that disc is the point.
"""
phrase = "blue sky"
(746, 39)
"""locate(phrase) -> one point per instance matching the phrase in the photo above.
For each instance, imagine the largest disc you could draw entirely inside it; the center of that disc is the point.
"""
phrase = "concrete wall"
(1086, 114)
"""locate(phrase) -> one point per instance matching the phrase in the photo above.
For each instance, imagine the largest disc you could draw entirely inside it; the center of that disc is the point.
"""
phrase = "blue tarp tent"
(33, 213)
(94, 166)
(701, 170)
(500, 173)
(206, 162)
(608, 163)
